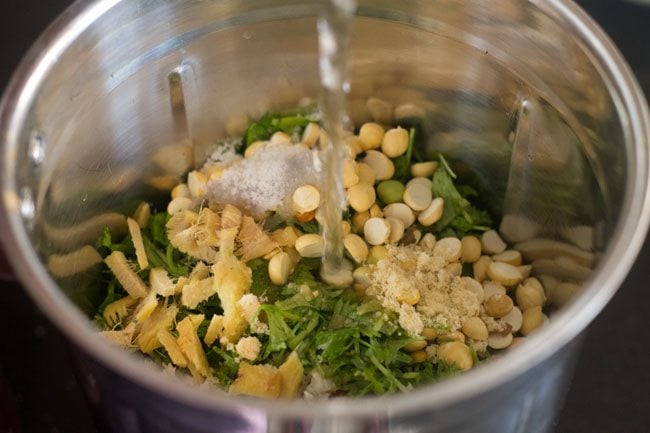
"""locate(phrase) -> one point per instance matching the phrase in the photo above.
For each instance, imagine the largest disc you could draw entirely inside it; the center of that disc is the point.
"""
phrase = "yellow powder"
(444, 300)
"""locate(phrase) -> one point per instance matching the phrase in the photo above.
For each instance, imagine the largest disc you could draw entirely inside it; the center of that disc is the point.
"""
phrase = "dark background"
(609, 393)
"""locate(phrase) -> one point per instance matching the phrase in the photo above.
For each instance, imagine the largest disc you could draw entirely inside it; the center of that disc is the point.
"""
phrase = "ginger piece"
(253, 241)
(161, 319)
(291, 375)
(173, 349)
(138, 243)
(131, 282)
(190, 345)
(257, 380)
(118, 310)
(235, 284)
(123, 338)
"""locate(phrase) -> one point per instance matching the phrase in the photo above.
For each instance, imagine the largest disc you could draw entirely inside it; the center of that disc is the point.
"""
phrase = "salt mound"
(267, 179)
(224, 152)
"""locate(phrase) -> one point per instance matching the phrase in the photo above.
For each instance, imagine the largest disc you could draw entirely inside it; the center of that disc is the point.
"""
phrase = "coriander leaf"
(157, 227)
(333, 344)
(289, 124)
(106, 242)
(369, 307)
(466, 191)
(279, 331)
(170, 259)
(445, 164)
(403, 163)
(459, 216)
(274, 222)
(224, 365)
(308, 227)
(305, 272)
(351, 345)
(271, 123)
(161, 356)
(387, 374)
(454, 203)
(448, 232)
(310, 323)
(299, 299)
(471, 219)
(208, 308)
(160, 252)
(475, 358)
(259, 130)
(390, 352)
(445, 370)
(111, 296)
(261, 284)
(344, 313)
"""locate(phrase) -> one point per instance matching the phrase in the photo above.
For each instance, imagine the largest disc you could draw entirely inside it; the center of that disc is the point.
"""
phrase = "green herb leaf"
(157, 227)
(291, 123)
(274, 222)
(161, 356)
(258, 131)
(107, 243)
(443, 186)
(445, 164)
(224, 365)
(403, 163)
(279, 331)
(160, 252)
(459, 216)
(261, 284)
(111, 296)
(170, 259)
(308, 227)
(350, 343)
(471, 219)
(332, 344)
(271, 123)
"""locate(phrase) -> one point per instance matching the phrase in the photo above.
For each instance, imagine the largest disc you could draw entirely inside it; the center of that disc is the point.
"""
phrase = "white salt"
(267, 179)
(224, 152)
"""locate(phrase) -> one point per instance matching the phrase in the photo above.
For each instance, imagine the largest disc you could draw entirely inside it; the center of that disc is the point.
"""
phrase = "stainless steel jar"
(531, 96)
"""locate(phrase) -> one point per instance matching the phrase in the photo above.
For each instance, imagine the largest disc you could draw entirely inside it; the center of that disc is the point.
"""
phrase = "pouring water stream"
(333, 37)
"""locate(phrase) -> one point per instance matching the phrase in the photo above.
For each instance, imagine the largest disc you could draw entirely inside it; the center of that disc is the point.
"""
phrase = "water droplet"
(27, 207)
(37, 149)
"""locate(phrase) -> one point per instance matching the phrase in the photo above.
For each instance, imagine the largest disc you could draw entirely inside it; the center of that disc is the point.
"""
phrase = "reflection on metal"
(65, 265)
(67, 238)
(27, 206)
(37, 148)
(550, 181)
(176, 97)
